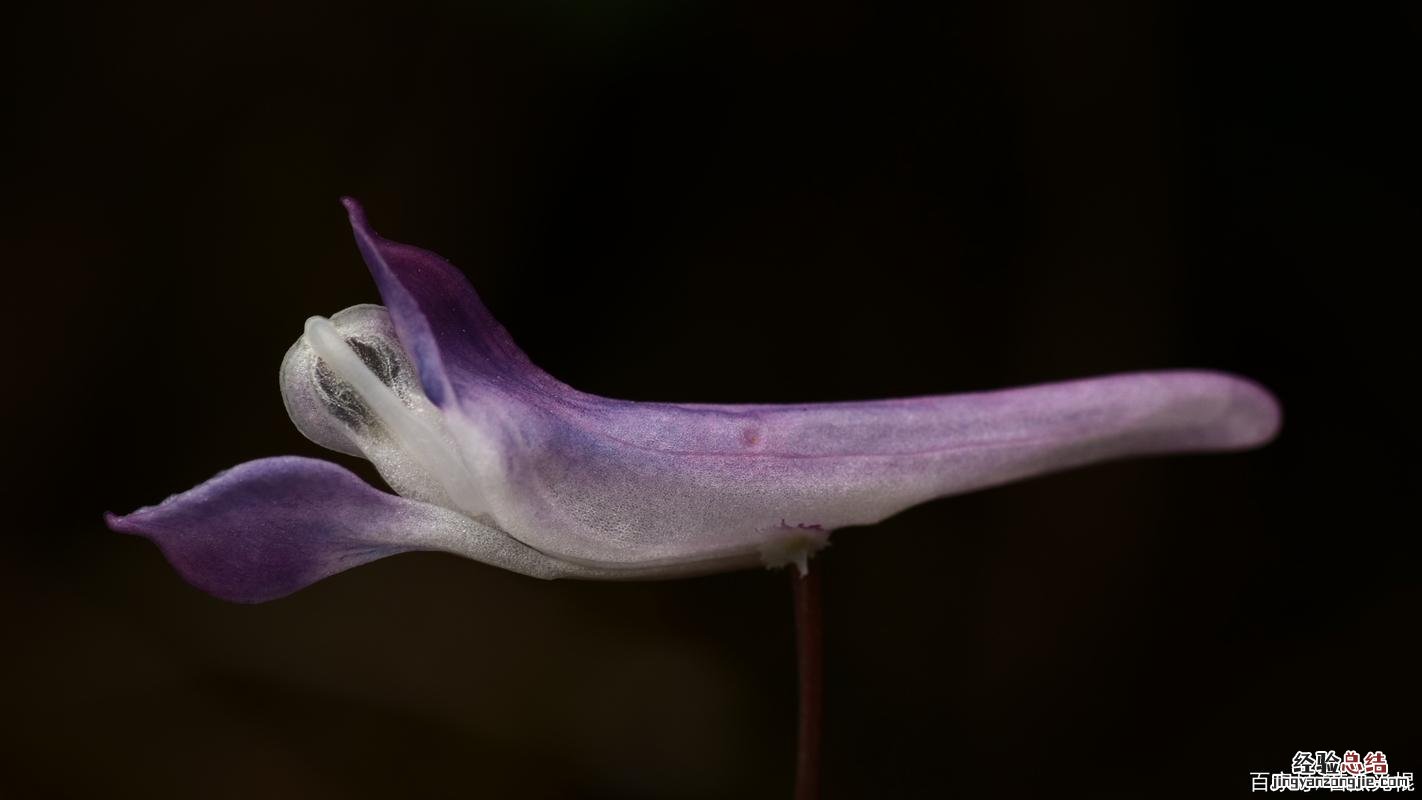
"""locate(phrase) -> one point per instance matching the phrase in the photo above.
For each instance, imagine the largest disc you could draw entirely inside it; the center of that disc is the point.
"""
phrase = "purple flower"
(493, 459)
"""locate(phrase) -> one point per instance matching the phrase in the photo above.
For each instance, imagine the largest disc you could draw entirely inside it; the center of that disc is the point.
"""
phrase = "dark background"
(724, 202)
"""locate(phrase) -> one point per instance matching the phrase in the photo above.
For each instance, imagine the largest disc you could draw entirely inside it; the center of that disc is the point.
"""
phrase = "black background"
(724, 202)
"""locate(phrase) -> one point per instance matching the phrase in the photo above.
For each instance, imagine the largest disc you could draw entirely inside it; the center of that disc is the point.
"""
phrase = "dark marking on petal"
(342, 400)
(379, 358)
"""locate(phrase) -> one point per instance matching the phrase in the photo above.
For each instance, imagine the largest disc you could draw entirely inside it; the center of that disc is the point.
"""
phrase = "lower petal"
(267, 528)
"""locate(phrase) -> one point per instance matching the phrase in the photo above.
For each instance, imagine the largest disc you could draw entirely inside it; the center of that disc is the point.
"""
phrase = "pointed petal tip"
(354, 209)
(360, 224)
(123, 523)
(196, 575)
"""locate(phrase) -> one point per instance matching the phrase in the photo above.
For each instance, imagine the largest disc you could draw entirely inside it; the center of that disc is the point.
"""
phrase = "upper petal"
(456, 344)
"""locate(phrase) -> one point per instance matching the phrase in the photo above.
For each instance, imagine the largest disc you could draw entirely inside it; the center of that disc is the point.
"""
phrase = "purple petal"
(267, 528)
(455, 342)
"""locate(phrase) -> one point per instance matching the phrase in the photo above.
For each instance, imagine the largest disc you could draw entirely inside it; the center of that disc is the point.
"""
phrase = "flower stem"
(809, 645)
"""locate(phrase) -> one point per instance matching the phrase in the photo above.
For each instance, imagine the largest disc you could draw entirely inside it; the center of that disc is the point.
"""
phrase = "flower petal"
(456, 344)
(267, 528)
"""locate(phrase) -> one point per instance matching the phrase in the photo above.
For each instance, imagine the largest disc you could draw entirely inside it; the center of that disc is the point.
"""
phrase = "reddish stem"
(809, 645)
